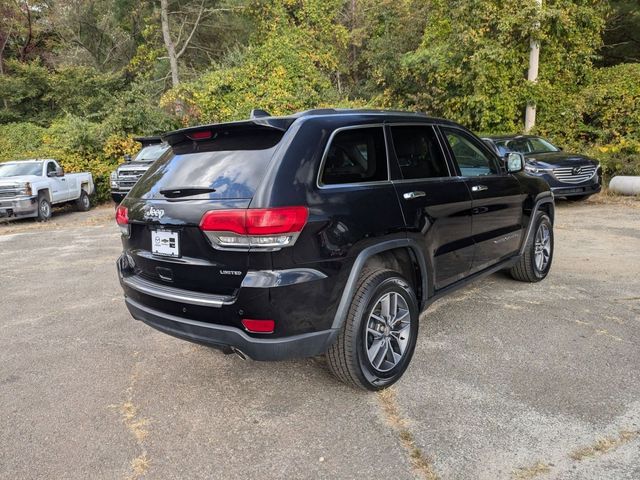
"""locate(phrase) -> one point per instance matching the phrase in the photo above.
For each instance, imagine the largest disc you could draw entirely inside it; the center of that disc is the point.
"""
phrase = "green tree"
(472, 61)
(621, 39)
(293, 63)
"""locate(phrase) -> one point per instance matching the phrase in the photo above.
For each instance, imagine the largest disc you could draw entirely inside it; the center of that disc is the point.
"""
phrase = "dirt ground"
(509, 380)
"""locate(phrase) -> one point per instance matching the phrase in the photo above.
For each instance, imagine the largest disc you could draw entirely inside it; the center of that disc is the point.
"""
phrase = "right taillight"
(122, 219)
(260, 228)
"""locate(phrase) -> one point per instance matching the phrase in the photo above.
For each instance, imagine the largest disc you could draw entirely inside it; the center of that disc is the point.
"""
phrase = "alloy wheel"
(542, 247)
(45, 209)
(388, 331)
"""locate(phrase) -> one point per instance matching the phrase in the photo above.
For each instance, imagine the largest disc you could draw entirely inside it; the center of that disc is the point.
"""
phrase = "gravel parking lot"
(509, 380)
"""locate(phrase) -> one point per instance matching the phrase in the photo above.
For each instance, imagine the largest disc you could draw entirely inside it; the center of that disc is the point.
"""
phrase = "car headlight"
(114, 178)
(25, 190)
(536, 170)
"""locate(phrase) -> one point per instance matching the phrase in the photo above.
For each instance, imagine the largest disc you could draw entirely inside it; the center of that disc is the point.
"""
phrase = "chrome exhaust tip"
(239, 353)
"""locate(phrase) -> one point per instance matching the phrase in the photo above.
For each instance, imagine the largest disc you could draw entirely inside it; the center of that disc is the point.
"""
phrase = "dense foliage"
(79, 78)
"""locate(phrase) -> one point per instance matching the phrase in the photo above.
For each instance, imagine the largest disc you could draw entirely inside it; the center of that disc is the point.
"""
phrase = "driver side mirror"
(127, 158)
(515, 162)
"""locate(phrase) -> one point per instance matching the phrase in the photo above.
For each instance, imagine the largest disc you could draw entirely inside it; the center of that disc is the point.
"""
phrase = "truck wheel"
(376, 342)
(44, 208)
(535, 263)
(83, 203)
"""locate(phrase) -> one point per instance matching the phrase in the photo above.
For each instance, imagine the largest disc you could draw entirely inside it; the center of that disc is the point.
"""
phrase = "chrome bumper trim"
(176, 294)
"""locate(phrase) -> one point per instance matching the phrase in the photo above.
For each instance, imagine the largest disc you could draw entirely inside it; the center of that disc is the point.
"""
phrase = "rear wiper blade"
(186, 191)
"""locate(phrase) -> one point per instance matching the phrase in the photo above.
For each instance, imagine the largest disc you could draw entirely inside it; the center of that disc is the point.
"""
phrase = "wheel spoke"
(385, 306)
(393, 306)
(374, 349)
(381, 355)
(400, 317)
(374, 332)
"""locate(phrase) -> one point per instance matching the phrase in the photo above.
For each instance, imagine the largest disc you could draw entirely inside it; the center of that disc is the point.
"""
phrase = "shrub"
(620, 158)
(20, 141)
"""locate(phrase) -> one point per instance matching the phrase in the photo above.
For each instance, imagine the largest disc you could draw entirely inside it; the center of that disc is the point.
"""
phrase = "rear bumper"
(293, 298)
(221, 336)
(20, 207)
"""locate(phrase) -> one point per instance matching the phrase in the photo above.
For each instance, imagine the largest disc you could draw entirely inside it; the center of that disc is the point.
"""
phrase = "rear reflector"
(260, 227)
(202, 135)
(258, 326)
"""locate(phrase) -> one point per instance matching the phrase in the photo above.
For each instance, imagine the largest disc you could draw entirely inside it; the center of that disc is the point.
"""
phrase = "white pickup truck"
(28, 188)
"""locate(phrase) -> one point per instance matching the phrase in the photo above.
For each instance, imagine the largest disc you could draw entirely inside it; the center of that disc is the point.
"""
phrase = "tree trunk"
(4, 45)
(532, 75)
(171, 48)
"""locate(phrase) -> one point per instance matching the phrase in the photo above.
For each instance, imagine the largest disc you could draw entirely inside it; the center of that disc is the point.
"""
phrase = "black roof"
(509, 137)
(150, 140)
(284, 122)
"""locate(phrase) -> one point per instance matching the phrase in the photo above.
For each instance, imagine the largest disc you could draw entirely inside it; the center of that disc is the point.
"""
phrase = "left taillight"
(257, 228)
(122, 219)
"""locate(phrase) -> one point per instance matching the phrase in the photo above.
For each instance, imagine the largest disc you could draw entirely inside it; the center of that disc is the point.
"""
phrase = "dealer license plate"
(165, 242)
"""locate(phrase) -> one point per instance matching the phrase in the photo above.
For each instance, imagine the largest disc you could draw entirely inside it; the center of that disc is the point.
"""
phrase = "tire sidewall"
(542, 218)
(42, 217)
(370, 377)
(84, 201)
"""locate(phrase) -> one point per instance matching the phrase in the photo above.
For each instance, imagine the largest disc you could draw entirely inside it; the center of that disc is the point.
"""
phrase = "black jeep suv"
(324, 232)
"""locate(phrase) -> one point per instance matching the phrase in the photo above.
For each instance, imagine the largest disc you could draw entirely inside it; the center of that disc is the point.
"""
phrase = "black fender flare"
(541, 198)
(352, 282)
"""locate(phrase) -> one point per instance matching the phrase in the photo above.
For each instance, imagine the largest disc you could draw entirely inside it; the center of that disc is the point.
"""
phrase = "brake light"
(122, 219)
(266, 228)
(258, 326)
(201, 135)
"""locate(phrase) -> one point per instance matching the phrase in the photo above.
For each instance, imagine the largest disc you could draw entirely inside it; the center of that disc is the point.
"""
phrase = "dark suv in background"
(570, 175)
(126, 175)
(324, 232)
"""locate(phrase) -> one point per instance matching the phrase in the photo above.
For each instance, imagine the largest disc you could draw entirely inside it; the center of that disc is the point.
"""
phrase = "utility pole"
(532, 76)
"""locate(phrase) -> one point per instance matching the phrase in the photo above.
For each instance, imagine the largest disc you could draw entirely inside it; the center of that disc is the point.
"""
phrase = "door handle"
(412, 195)
(479, 188)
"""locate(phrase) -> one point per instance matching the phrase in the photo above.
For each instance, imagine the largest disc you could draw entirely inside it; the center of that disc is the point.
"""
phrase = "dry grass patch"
(419, 462)
(527, 473)
(604, 445)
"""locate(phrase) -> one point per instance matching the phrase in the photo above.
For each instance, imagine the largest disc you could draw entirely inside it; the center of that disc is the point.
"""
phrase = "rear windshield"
(230, 166)
(151, 153)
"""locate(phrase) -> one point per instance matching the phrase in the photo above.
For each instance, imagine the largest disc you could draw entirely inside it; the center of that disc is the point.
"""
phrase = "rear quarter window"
(355, 155)
(232, 163)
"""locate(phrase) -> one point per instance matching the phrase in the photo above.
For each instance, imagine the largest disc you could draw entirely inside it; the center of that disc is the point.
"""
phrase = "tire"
(349, 356)
(44, 208)
(530, 268)
(577, 198)
(83, 203)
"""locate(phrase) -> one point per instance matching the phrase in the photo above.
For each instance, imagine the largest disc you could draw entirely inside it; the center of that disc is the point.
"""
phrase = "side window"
(471, 159)
(356, 155)
(51, 168)
(418, 152)
(521, 145)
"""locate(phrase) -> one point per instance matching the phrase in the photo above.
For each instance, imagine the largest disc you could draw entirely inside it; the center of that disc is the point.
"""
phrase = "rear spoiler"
(203, 132)
(146, 141)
